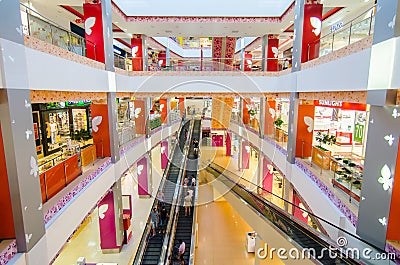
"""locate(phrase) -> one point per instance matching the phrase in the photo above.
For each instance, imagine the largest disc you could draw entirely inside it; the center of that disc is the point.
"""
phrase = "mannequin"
(53, 132)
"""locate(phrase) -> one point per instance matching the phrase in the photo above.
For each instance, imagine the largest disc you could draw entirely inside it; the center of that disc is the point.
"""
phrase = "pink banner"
(228, 144)
(107, 227)
(143, 180)
(94, 31)
(164, 154)
(268, 175)
(245, 155)
(298, 211)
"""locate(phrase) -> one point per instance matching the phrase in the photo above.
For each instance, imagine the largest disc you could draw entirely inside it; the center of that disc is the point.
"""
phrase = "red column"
(137, 53)
(163, 110)
(140, 120)
(245, 155)
(311, 31)
(162, 59)
(101, 135)
(270, 117)
(6, 217)
(248, 61)
(94, 31)
(182, 105)
(305, 127)
(393, 231)
(272, 53)
(228, 144)
(246, 115)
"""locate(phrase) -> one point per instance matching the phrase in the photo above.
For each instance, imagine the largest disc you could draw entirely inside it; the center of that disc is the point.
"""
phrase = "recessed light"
(291, 21)
(116, 22)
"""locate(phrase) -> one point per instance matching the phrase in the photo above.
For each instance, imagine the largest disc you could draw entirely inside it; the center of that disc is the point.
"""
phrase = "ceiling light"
(291, 21)
(116, 22)
(281, 29)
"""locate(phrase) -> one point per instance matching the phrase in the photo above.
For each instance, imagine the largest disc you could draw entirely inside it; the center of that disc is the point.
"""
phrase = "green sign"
(358, 133)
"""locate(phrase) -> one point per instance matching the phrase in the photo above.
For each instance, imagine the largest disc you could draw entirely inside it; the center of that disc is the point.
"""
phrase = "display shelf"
(347, 176)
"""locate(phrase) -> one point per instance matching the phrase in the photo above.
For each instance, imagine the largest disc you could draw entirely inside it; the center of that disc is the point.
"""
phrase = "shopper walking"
(163, 219)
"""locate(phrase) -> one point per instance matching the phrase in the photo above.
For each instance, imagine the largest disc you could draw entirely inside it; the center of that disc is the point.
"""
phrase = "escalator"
(153, 248)
(185, 223)
(283, 222)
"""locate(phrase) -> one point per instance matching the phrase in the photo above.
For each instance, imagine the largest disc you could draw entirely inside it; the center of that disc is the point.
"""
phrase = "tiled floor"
(222, 234)
(85, 242)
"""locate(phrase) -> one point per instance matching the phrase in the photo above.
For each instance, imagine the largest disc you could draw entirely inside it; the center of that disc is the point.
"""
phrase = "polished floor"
(86, 242)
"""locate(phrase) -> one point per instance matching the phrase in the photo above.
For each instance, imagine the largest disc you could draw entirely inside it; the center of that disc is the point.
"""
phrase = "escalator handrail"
(312, 236)
(293, 219)
(143, 241)
(304, 210)
(170, 231)
(196, 197)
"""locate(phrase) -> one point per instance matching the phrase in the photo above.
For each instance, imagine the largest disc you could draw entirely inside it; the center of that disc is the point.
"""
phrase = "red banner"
(143, 178)
(162, 59)
(245, 155)
(137, 53)
(270, 116)
(246, 107)
(107, 225)
(298, 211)
(272, 54)
(94, 31)
(248, 61)
(268, 175)
(163, 110)
(101, 135)
(311, 31)
(164, 154)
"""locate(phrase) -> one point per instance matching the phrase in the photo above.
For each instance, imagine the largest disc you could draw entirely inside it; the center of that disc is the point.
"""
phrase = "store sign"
(358, 133)
(337, 26)
(330, 103)
(78, 103)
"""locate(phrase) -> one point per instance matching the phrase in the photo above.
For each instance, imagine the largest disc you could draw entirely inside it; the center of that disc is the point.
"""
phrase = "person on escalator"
(163, 219)
(182, 249)
(154, 220)
(187, 203)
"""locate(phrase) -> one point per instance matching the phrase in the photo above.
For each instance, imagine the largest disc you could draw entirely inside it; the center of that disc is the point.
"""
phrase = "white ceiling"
(204, 8)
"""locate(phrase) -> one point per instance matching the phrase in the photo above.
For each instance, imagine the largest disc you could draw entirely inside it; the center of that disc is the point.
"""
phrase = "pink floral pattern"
(60, 206)
(7, 254)
(166, 19)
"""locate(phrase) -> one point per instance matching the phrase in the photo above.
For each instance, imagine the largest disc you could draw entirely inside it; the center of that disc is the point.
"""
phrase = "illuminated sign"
(330, 103)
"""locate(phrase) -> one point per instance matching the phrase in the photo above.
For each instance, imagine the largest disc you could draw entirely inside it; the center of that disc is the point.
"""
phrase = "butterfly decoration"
(249, 62)
(162, 149)
(309, 122)
(19, 30)
(383, 221)
(89, 23)
(270, 169)
(395, 114)
(96, 121)
(316, 24)
(40, 206)
(160, 62)
(386, 178)
(161, 107)
(27, 104)
(275, 51)
(392, 23)
(137, 112)
(28, 133)
(303, 209)
(102, 211)
(134, 50)
(247, 148)
(28, 237)
(34, 167)
(272, 112)
(390, 139)
(139, 169)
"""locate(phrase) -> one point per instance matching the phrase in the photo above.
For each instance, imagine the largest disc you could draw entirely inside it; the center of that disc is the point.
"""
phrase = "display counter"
(321, 158)
(63, 171)
(347, 176)
(88, 154)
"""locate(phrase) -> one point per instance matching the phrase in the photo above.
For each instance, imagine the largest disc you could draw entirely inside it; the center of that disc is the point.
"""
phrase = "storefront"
(64, 144)
(339, 140)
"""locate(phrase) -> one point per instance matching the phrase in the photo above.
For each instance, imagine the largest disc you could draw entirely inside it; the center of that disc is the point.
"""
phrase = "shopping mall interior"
(209, 132)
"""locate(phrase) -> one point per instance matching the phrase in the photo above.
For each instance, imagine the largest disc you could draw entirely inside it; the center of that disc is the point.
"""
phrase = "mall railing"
(347, 247)
(42, 28)
(205, 64)
(358, 28)
(147, 229)
(345, 171)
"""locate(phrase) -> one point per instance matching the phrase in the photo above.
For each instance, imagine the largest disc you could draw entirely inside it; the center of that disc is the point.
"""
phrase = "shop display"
(347, 176)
